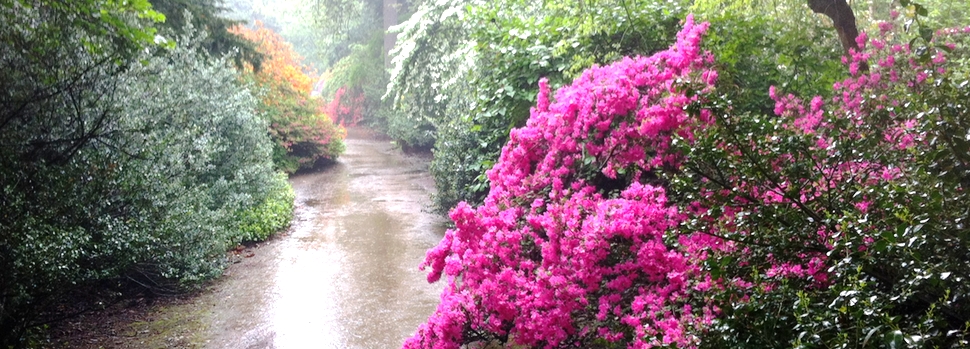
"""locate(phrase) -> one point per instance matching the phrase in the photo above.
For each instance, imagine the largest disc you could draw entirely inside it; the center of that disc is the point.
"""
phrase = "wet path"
(345, 276)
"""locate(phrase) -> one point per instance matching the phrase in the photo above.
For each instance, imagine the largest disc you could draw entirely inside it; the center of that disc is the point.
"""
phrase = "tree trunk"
(842, 18)
(390, 19)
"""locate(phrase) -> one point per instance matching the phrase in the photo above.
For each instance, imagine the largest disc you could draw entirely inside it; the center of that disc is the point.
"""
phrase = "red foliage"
(346, 109)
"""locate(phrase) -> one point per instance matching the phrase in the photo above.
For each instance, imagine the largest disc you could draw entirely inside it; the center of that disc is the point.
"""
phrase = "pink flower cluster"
(552, 258)
(866, 113)
(575, 244)
(865, 96)
(346, 110)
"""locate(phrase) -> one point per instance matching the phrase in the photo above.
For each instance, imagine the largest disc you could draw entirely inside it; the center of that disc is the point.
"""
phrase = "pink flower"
(534, 255)
(885, 27)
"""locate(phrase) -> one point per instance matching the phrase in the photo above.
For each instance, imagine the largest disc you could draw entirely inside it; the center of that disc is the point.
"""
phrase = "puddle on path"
(345, 276)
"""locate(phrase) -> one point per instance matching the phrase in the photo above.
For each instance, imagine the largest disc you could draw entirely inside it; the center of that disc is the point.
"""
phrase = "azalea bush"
(346, 108)
(640, 209)
(303, 133)
(845, 211)
(570, 247)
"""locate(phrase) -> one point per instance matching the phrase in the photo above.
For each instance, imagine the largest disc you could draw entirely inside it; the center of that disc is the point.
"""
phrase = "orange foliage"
(301, 130)
(281, 63)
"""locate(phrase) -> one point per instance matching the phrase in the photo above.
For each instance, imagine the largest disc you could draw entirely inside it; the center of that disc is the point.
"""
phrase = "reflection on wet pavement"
(345, 276)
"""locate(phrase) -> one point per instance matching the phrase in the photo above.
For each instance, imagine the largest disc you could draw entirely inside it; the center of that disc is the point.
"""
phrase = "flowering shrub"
(303, 134)
(569, 246)
(635, 210)
(845, 213)
(346, 110)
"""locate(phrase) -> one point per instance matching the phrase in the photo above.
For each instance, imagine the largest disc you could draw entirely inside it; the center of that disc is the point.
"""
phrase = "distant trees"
(209, 16)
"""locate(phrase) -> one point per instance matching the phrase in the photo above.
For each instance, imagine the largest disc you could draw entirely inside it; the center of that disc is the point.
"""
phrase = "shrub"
(198, 155)
(303, 134)
(270, 216)
(637, 210)
(569, 248)
(347, 109)
(117, 169)
(844, 212)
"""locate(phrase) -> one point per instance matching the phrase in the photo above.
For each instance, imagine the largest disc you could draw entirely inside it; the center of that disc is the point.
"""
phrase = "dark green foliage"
(101, 27)
(57, 100)
(897, 270)
(209, 16)
(118, 165)
(754, 52)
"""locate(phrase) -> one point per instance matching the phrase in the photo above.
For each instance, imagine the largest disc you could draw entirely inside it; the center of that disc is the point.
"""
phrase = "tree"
(842, 18)
(208, 15)
(389, 13)
(348, 23)
(758, 44)
(49, 113)
(432, 64)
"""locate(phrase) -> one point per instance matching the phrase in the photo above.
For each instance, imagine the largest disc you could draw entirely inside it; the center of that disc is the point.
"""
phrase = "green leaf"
(920, 10)
(926, 34)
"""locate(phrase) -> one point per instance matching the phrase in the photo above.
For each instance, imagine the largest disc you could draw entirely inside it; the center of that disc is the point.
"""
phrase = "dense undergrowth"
(134, 154)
